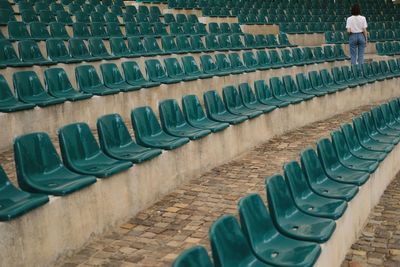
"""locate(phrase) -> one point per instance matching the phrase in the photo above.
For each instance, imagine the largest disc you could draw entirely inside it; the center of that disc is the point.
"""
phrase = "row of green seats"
(304, 203)
(340, 37)
(387, 48)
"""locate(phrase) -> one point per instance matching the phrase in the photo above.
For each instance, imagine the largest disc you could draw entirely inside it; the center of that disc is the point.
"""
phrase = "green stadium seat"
(320, 183)
(309, 57)
(169, 46)
(149, 133)
(210, 67)
(217, 111)
(359, 75)
(8, 102)
(176, 29)
(236, 28)
(112, 78)
(114, 30)
(234, 103)
(57, 30)
(17, 31)
(276, 60)
(384, 68)
(98, 49)
(196, 117)
(29, 16)
(192, 69)
(290, 220)
(250, 101)
(169, 18)
(279, 92)
(39, 31)
(379, 134)
(265, 96)
(237, 63)
(81, 30)
(197, 44)
(318, 84)
(213, 28)
(264, 60)
(175, 70)
(29, 89)
(133, 76)
(174, 123)
(79, 50)
(304, 85)
(369, 74)
(249, 41)
(58, 85)
(193, 257)
(151, 46)
(119, 48)
(81, 152)
(329, 53)
(236, 42)
(6, 16)
(8, 56)
(111, 18)
(293, 90)
(225, 66)
(64, 17)
(349, 77)
(299, 58)
(15, 202)
(183, 45)
(250, 61)
(192, 18)
(339, 52)
(40, 170)
(131, 29)
(338, 78)
(89, 81)
(58, 52)
(319, 54)
(46, 16)
(284, 40)
(137, 48)
(394, 67)
(376, 119)
(334, 169)
(387, 117)
(157, 72)
(29, 52)
(98, 30)
(83, 17)
(212, 43)
(377, 71)
(116, 141)
(229, 246)
(159, 29)
(328, 81)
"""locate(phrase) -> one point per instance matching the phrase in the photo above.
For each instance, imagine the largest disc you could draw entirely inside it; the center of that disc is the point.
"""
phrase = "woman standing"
(356, 26)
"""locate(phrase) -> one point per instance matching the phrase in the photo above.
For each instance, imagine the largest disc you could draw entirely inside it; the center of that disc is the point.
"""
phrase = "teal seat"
(279, 92)
(394, 67)
(175, 70)
(224, 65)
(40, 170)
(293, 90)
(338, 77)
(29, 52)
(197, 44)
(160, 29)
(319, 54)
(284, 40)
(79, 50)
(384, 119)
(251, 62)
(339, 52)
(349, 77)
(212, 43)
(174, 123)
(356, 148)
(89, 81)
(217, 111)
(334, 169)
(224, 42)
(133, 76)
(64, 17)
(319, 182)
(169, 45)
(157, 72)
(369, 74)
(81, 152)
(249, 41)
(114, 30)
(183, 44)
(376, 70)
(384, 69)
(196, 117)
(276, 60)
(193, 257)
(309, 57)
(210, 67)
(288, 59)
(81, 30)
(116, 141)
(395, 108)
(149, 133)
(98, 49)
(377, 131)
(236, 42)
(15, 202)
(192, 69)
(17, 31)
(58, 85)
(57, 30)
(299, 57)
(267, 243)
(58, 52)
(265, 96)
(29, 89)
(237, 63)
(229, 246)
(112, 78)
(119, 48)
(98, 30)
(308, 201)
(8, 102)
(151, 46)
(329, 53)
(359, 75)
(234, 103)
(264, 60)
(39, 31)
(290, 220)
(328, 81)
(305, 86)
(317, 83)
(250, 101)
(131, 29)
(346, 158)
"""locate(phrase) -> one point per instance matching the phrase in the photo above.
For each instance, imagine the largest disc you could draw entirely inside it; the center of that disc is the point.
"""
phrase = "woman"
(356, 26)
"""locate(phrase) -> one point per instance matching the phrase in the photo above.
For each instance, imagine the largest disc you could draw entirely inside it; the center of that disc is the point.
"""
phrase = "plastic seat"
(192, 69)
(183, 45)
(265, 96)
(40, 170)
(309, 57)
(15, 202)
(349, 77)
(237, 63)
(229, 246)
(224, 65)
(57, 30)
(174, 123)
(212, 43)
(264, 60)
(160, 29)
(98, 30)
(193, 257)
(8, 102)
(369, 74)
(29, 89)
(17, 31)
(317, 83)
(111, 17)
(137, 48)
(329, 82)
(384, 135)
(29, 52)
(217, 111)
(304, 85)
(82, 154)
(98, 49)
(46, 16)
(116, 141)
(279, 92)
(290, 220)
(157, 73)
(113, 79)
(176, 29)
(169, 46)
(8, 56)
(334, 169)
(276, 60)
(131, 29)
(384, 120)
(134, 76)
(64, 17)
(39, 31)
(394, 67)
(79, 50)
(320, 183)
(114, 30)
(175, 70)
(58, 52)
(293, 90)
(149, 133)
(384, 67)
(119, 48)
(6, 16)
(88, 81)
(267, 243)
(234, 103)
(251, 62)
(359, 75)
(152, 47)
(197, 44)
(250, 101)
(81, 30)
(58, 85)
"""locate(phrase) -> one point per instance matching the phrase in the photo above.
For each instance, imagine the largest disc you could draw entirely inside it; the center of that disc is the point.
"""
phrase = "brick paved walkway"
(181, 219)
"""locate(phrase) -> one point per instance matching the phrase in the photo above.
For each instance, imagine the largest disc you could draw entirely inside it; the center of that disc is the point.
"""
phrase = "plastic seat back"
(87, 77)
(28, 86)
(57, 30)
(151, 45)
(29, 51)
(132, 72)
(114, 30)
(145, 123)
(81, 30)
(98, 48)
(193, 257)
(57, 81)
(7, 53)
(118, 47)
(39, 30)
(168, 44)
(78, 48)
(17, 30)
(208, 65)
(98, 30)
(56, 50)
(155, 70)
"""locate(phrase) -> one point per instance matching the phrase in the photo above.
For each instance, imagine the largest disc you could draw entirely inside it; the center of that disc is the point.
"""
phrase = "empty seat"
(6, 16)
(174, 123)
(224, 65)
(192, 69)
(157, 72)
(114, 30)
(29, 89)
(237, 63)
(317, 83)
(57, 30)
(250, 101)
(131, 29)
(81, 152)
(81, 30)
(15, 202)
(98, 49)
(183, 45)
(119, 48)
(234, 103)
(116, 141)
(112, 78)
(264, 60)
(29, 16)
(17, 31)
(193, 257)
(304, 85)
(64, 17)
(151, 46)
(79, 50)
(169, 45)
(267, 242)
(381, 134)
(89, 81)
(29, 52)
(279, 92)
(40, 170)
(175, 70)
(98, 29)
(149, 133)
(293, 90)
(39, 31)
(197, 44)
(264, 95)
(58, 52)
(133, 75)
(8, 56)
(8, 102)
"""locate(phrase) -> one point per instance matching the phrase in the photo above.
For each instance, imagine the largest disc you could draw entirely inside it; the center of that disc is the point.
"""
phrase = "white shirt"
(356, 23)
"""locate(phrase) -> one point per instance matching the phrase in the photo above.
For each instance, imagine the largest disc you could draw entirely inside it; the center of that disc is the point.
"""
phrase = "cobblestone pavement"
(182, 218)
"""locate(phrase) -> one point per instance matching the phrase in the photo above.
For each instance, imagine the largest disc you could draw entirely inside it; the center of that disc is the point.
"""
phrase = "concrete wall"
(66, 223)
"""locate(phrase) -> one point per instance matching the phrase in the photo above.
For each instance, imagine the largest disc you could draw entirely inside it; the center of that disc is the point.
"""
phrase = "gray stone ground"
(182, 218)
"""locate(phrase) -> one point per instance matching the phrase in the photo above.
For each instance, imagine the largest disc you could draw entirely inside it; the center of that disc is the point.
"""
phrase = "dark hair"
(355, 10)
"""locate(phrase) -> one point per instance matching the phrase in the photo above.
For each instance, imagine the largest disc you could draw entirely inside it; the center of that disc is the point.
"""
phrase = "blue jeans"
(357, 40)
